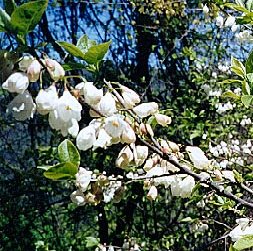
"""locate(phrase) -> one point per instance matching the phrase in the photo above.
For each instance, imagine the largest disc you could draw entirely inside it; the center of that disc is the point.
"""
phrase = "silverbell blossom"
(68, 107)
(22, 106)
(152, 193)
(83, 178)
(162, 119)
(114, 126)
(103, 140)
(140, 154)
(92, 95)
(71, 127)
(25, 61)
(182, 185)
(128, 135)
(33, 71)
(125, 157)
(197, 156)
(16, 82)
(78, 198)
(86, 138)
(46, 100)
(107, 105)
(130, 97)
(55, 69)
(146, 109)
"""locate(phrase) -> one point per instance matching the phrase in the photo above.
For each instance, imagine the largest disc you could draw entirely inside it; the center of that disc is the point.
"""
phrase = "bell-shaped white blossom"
(25, 62)
(33, 71)
(68, 107)
(152, 193)
(103, 140)
(22, 106)
(140, 155)
(78, 198)
(86, 138)
(107, 105)
(70, 127)
(92, 95)
(205, 9)
(130, 97)
(197, 156)
(46, 100)
(241, 230)
(128, 135)
(55, 69)
(182, 187)
(114, 126)
(125, 157)
(219, 21)
(16, 82)
(83, 178)
(162, 119)
(230, 21)
(146, 109)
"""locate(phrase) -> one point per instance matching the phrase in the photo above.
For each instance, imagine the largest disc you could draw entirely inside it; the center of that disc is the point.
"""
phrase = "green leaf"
(9, 6)
(246, 100)
(91, 242)
(245, 88)
(68, 153)
(249, 5)
(65, 170)
(96, 53)
(72, 66)
(236, 7)
(231, 248)
(249, 63)
(237, 67)
(5, 23)
(26, 16)
(72, 49)
(250, 77)
(244, 242)
(84, 43)
(230, 94)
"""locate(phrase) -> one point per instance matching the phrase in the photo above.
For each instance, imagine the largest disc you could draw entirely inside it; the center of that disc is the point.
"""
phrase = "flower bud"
(152, 193)
(25, 62)
(55, 69)
(124, 158)
(128, 135)
(146, 109)
(33, 71)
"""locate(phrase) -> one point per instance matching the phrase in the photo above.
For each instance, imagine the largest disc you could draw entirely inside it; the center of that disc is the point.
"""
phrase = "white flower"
(125, 157)
(162, 119)
(145, 109)
(46, 100)
(78, 198)
(25, 62)
(219, 21)
(107, 105)
(182, 187)
(128, 135)
(55, 69)
(22, 106)
(33, 71)
(83, 178)
(57, 123)
(141, 154)
(152, 193)
(130, 97)
(244, 36)
(205, 9)
(68, 107)
(197, 156)
(86, 138)
(114, 126)
(103, 139)
(16, 82)
(242, 229)
(230, 21)
(92, 95)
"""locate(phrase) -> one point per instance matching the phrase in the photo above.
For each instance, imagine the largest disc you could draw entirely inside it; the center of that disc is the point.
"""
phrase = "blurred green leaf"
(244, 242)
(65, 170)
(26, 16)
(68, 153)
(246, 100)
